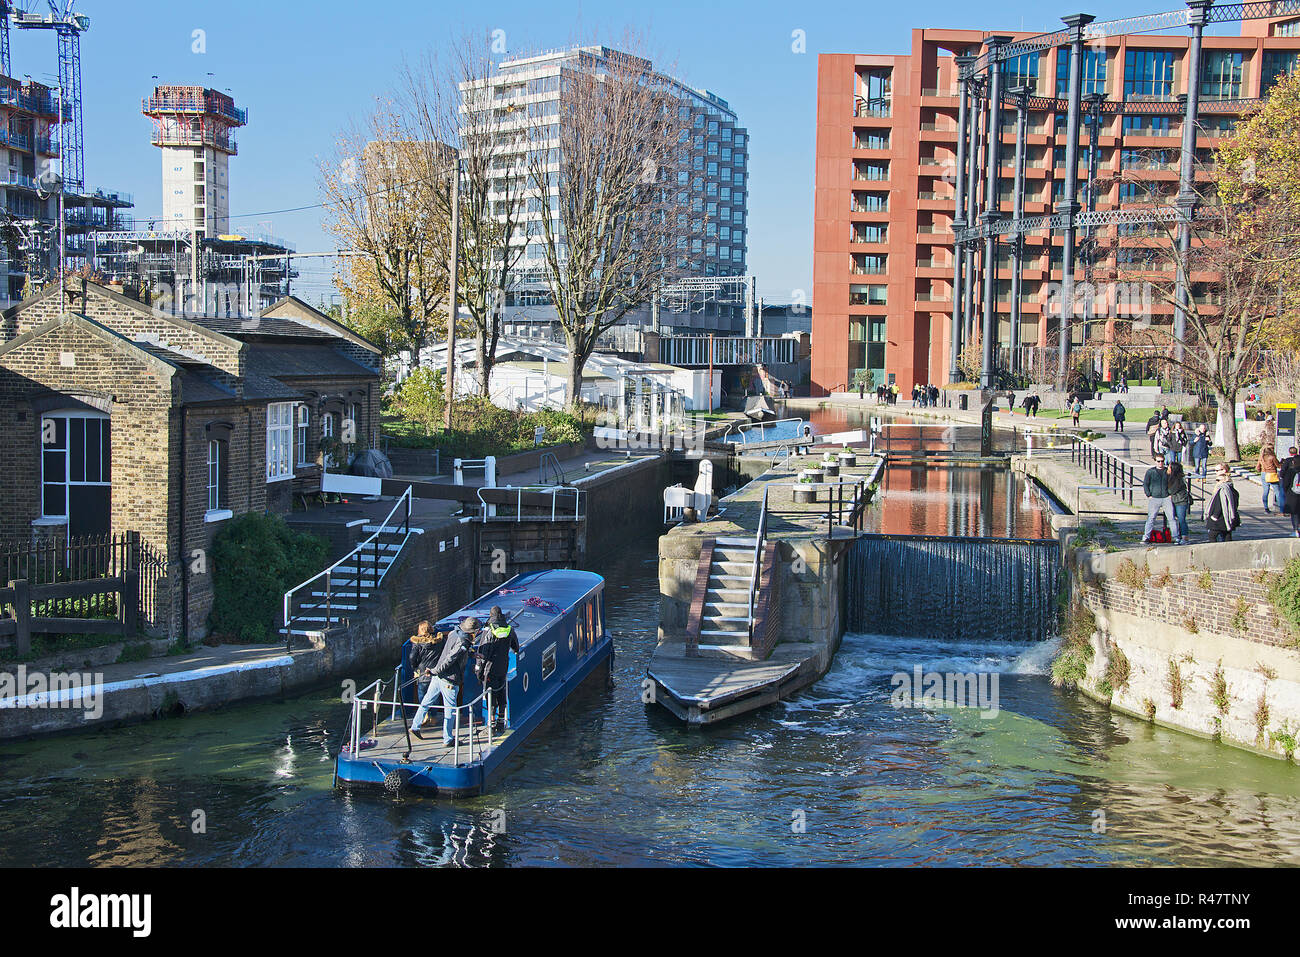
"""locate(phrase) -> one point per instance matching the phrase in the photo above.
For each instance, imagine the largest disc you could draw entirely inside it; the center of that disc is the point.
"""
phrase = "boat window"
(548, 662)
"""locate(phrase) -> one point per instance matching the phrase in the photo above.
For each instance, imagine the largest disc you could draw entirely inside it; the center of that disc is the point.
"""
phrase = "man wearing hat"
(493, 664)
(448, 675)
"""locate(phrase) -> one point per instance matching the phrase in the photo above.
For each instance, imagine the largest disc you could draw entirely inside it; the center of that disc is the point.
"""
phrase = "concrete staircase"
(337, 593)
(724, 623)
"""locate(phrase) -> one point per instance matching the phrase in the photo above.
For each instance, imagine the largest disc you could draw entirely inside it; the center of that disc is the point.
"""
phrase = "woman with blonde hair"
(426, 646)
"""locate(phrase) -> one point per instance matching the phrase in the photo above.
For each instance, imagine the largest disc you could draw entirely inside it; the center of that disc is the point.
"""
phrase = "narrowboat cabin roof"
(531, 602)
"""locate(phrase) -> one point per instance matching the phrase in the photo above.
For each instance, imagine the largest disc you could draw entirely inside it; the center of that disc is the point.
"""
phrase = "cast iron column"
(1186, 202)
(1018, 211)
(991, 211)
(1070, 205)
(959, 220)
(972, 192)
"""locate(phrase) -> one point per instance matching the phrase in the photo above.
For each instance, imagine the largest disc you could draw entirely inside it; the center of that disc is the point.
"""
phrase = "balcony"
(871, 108)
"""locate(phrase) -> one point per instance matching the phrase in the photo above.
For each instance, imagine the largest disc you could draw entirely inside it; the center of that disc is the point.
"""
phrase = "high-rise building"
(713, 189)
(193, 127)
(192, 258)
(886, 183)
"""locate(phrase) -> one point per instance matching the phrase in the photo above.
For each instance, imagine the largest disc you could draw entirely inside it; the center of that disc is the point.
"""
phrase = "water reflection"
(615, 782)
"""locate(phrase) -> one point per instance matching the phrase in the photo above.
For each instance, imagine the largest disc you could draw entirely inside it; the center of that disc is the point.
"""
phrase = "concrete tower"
(194, 127)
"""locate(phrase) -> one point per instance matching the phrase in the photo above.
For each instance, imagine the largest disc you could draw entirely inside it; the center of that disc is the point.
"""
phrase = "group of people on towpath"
(437, 661)
(1169, 488)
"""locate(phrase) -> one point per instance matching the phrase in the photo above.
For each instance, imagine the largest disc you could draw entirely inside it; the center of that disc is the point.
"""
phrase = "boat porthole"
(525, 681)
(570, 641)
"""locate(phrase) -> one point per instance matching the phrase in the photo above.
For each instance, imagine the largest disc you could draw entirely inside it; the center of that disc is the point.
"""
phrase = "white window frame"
(215, 513)
(327, 432)
(302, 417)
(279, 441)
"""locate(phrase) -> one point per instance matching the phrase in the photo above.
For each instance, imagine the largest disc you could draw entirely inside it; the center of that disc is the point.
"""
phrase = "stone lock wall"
(1203, 647)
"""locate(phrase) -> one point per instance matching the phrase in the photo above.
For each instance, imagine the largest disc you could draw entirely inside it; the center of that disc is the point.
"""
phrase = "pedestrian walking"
(1175, 442)
(1221, 515)
(1180, 495)
(1076, 409)
(1200, 451)
(1119, 412)
(1290, 476)
(1270, 477)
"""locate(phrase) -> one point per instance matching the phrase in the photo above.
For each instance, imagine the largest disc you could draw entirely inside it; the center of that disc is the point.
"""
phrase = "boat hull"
(468, 779)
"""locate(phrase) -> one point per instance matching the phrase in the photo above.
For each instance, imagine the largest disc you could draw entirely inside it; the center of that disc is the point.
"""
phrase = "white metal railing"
(356, 553)
(555, 491)
(372, 695)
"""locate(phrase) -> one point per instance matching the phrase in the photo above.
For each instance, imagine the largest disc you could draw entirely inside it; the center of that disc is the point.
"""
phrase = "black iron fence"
(68, 584)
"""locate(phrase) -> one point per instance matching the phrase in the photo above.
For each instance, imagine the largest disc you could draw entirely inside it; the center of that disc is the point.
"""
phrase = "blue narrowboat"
(559, 618)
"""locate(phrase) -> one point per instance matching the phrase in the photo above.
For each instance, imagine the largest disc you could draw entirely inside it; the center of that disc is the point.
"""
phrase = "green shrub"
(254, 561)
(479, 428)
(1198, 413)
(1071, 663)
(1285, 593)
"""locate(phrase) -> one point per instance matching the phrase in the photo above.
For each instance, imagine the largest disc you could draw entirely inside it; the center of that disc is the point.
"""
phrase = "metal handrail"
(549, 458)
(760, 535)
(554, 490)
(375, 701)
(1119, 474)
(327, 574)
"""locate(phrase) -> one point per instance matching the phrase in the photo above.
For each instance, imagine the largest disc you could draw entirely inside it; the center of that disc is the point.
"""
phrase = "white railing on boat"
(372, 695)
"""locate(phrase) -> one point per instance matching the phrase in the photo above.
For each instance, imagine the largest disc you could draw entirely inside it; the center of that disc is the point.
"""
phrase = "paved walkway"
(1132, 446)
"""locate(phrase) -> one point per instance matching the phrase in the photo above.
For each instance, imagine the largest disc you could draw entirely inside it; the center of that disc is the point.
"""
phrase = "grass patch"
(135, 651)
(1219, 693)
(1117, 669)
(1175, 685)
(1284, 593)
(1149, 707)
(45, 646)
(1261, 718)
(1071, 663)
(1239, 613)
(1205, 581)
(1129, 574)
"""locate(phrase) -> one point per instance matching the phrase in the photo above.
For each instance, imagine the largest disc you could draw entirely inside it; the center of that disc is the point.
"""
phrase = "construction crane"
(69, 26)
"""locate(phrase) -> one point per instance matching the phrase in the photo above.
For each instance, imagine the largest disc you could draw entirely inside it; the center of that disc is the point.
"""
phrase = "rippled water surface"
(615, 782)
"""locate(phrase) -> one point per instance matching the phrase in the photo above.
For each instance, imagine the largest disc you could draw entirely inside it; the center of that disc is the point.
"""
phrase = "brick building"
(886, 169)
(117, 417)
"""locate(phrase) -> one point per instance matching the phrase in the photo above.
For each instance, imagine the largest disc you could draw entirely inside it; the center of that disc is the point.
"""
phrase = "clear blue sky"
(302, 69)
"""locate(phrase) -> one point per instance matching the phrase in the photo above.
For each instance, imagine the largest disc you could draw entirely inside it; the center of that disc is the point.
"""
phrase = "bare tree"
(379, 204)
(1224, 323)
(603, 184)
(451, 102)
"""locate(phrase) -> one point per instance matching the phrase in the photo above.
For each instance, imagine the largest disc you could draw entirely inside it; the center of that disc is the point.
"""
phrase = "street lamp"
(452, 305)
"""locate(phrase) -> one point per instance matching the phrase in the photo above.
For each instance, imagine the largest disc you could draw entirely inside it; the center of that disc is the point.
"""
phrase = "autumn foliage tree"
(381, 207)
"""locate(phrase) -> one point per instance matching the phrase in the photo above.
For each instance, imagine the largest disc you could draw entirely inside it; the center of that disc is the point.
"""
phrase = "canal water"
(834, 776)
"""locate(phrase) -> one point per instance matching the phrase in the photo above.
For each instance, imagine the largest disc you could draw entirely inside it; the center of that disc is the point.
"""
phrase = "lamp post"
(452, 305)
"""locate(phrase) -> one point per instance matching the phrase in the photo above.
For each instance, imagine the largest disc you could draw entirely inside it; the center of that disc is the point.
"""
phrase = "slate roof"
(296, 360)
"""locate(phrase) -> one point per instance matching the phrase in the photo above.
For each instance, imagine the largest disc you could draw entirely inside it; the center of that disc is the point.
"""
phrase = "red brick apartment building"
(884, 197)
(118, 417)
